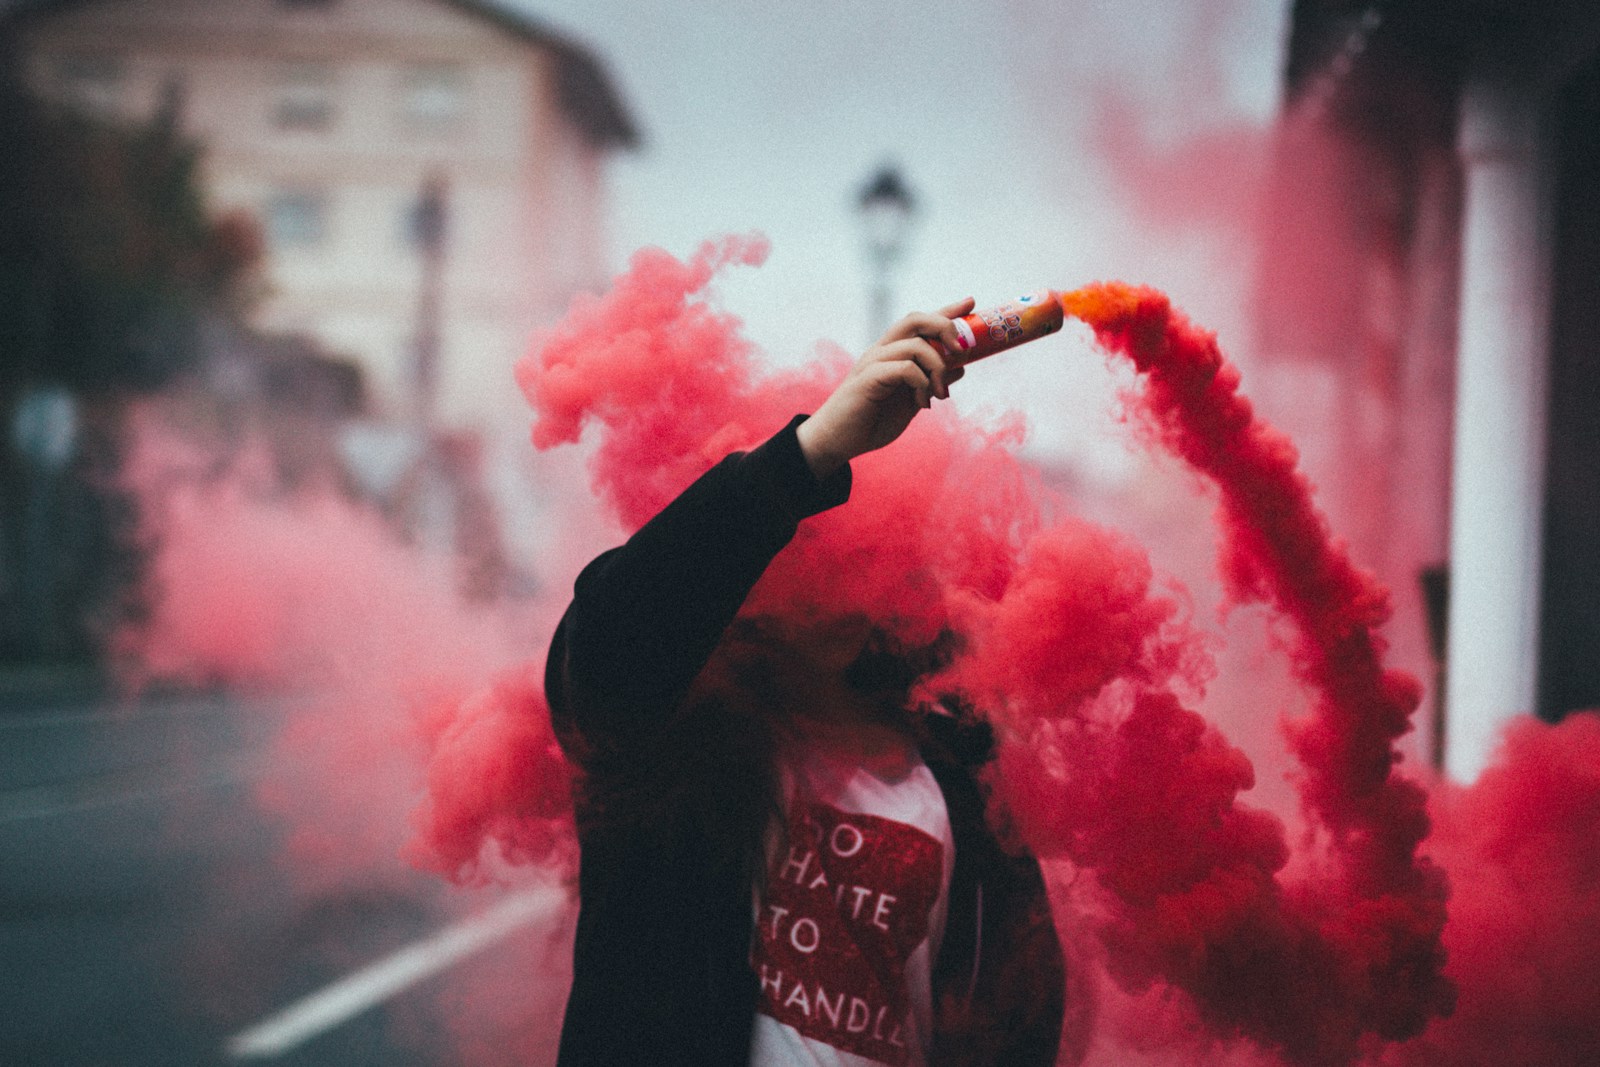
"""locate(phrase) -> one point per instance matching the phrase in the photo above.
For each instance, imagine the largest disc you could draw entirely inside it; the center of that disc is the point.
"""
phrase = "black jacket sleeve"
(646, 616)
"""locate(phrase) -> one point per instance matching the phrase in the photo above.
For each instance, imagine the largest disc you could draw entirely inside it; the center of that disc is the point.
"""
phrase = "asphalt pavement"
(145, 918)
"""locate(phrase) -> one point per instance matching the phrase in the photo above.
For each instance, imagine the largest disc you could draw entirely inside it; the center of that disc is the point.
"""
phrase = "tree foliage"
(110, 268)
(108, 260)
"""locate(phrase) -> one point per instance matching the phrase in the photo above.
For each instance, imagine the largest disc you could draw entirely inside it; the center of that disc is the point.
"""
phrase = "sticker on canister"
(983, 333)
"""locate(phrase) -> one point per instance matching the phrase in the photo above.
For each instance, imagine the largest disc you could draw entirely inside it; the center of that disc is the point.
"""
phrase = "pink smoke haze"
(380, 661)
(1199, 930)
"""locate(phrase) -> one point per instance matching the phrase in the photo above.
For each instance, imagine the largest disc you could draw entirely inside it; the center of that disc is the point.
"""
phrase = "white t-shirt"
(851, 919)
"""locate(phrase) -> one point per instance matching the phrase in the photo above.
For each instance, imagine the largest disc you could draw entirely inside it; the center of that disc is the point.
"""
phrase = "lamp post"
(885, 207)
(429, 223)
(429, 510)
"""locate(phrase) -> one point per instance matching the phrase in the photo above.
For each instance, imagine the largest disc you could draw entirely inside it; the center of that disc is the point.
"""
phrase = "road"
(146, 917)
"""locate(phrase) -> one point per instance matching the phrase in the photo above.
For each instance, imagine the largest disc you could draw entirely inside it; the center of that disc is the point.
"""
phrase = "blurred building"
(427, 172)
(1430, 297)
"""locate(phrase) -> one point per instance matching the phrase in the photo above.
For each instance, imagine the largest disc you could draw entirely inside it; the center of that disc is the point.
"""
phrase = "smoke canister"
(983, 333)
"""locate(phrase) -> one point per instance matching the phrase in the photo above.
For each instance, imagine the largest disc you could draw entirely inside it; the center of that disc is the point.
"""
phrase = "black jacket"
(661, 971)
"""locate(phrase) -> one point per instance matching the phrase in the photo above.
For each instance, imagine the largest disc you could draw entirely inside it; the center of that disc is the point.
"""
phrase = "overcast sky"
(766, 116)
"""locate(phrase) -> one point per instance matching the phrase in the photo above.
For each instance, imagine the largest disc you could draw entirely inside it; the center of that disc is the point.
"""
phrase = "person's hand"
(892, 381)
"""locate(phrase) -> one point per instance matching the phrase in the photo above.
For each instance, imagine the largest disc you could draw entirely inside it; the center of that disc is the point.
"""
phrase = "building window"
(434, 97)
(297, 219)
(305, 97)
(93, 83)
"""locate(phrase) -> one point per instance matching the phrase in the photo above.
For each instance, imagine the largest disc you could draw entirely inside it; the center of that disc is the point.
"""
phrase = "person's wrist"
(815, 446)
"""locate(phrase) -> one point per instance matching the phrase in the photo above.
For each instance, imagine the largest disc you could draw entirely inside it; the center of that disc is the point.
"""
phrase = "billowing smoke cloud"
(1076, 656)
(1524, 931)
(306, 596)
(1352, 947)
(1190, 915)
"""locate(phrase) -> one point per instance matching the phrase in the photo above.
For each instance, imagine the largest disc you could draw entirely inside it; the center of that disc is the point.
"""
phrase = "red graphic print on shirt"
(847, 901)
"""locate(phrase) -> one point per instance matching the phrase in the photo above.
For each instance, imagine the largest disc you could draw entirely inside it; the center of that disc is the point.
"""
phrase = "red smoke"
(1352, 949)
(1524, 931)
(496, 774)
(1073, 653)
(672, 383)
(1188, 914)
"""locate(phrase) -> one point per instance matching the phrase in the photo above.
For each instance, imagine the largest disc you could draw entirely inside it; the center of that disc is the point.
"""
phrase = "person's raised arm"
(894, 379)
(646, 616)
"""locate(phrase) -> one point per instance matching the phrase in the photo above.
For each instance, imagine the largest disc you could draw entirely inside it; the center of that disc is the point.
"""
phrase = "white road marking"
(377, 982)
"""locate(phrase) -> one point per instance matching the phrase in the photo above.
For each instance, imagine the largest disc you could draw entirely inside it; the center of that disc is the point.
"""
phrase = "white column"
(1497, 495)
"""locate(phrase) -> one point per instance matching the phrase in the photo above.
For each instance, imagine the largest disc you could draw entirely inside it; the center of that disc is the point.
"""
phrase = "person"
(780, 862)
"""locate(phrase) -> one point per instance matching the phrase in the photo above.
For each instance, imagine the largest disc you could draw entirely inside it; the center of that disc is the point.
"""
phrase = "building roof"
(584, 90)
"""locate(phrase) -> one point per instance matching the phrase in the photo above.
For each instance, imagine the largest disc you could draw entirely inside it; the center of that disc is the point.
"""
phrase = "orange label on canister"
(983, 333)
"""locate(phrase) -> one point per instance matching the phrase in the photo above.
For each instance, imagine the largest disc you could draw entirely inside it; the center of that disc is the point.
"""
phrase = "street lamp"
(429, 225)
(429, 509)
(886, 207)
